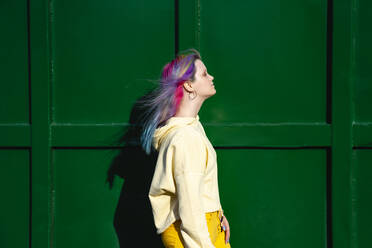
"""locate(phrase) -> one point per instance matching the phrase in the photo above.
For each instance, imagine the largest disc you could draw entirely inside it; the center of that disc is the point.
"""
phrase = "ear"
(187, 86)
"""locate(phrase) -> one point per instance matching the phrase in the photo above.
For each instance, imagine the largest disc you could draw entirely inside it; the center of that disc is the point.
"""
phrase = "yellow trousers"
(172, 238)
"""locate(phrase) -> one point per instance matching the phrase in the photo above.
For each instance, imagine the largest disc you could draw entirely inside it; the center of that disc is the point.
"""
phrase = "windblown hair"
(163, 102)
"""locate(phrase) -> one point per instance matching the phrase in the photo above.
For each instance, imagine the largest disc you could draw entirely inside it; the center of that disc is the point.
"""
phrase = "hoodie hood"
(172, 123)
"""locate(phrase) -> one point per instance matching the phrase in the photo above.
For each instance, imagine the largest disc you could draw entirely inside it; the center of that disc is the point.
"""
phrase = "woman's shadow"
(133, 220)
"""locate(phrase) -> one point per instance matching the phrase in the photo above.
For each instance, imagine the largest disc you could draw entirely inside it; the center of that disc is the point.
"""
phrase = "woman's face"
(203, 84)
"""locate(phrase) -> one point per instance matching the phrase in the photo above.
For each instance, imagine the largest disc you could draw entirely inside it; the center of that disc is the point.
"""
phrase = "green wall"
(291, 119)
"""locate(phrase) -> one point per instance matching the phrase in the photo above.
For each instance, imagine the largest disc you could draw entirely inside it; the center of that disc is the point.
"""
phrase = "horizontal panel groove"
(271, 135)
(260, 135)
(267, 124)
(362, 134)
(86, 135)
(15, 135)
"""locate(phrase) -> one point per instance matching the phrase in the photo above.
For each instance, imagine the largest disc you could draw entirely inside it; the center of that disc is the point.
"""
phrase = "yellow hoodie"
(185, 184)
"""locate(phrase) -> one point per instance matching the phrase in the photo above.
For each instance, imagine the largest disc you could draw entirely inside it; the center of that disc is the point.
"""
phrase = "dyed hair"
(163, 102)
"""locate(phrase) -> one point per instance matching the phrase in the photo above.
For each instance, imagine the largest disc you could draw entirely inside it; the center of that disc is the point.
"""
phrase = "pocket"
(219, 223)
(220, 242)
(212, 223)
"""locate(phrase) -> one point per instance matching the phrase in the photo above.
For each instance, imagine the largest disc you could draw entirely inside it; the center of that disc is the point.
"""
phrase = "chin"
(213, 93)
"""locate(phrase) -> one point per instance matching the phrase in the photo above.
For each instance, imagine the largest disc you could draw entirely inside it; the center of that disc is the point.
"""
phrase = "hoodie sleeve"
(189, 163)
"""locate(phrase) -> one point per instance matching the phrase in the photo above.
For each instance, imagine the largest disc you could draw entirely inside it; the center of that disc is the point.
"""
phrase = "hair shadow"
(133, 219)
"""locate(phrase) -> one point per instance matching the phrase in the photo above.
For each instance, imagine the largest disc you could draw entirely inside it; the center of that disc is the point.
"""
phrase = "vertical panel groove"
(30, 121)
(329, 61)
(176, 24)
(353, 75)
(342, 125)
(329, 57)
(40, 119)
(354, 190)
(51, 36)
(197, 26)
(30, 199)
(353, 60)
(329, 240)
(51, 45)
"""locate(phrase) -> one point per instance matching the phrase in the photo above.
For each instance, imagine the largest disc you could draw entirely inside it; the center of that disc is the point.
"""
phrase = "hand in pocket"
(226, 228)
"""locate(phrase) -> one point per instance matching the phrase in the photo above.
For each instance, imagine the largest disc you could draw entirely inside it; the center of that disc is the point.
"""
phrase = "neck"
(188, 107)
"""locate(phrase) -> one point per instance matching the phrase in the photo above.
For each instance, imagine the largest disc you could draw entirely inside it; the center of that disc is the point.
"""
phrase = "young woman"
(184, 190)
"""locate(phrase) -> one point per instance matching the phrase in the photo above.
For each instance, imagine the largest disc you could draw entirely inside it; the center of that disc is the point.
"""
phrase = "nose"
(212, 77)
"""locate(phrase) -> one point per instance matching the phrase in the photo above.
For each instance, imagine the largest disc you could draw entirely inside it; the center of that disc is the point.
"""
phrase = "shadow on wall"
(133, 220)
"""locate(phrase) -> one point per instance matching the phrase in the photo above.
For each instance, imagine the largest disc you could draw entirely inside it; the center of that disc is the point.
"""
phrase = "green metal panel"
(362, 191)
(266, 63)
(291, 120)
(362, 60)
(274, 197)
(14, 86)
(84, 206)
(15, 198)
(102, 52)
(362, 78)
(14, 101)
(14, 126)
(362, 124)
